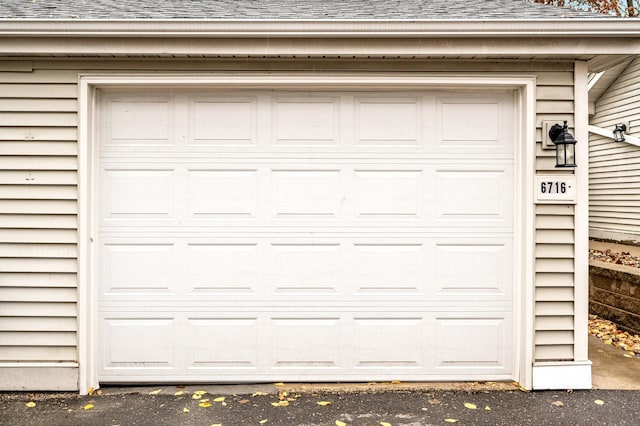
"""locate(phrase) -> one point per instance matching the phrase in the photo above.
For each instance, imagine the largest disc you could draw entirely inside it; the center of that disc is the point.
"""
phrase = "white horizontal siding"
(38, 216)
(614, 181)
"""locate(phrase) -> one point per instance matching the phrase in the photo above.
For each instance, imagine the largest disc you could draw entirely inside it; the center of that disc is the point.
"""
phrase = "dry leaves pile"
(609, 333)
(609, 256)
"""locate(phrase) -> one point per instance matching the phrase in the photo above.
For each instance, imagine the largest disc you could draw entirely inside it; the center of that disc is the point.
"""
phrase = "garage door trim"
(524, 86)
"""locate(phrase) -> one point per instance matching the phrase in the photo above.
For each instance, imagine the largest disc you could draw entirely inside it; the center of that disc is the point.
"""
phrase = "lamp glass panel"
(570, 154)
(560, 155)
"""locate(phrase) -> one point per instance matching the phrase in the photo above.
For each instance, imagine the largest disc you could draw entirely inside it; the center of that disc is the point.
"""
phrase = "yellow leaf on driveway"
(178, 393)
(339, 423)
(219, 399)
(263, 421)
(599, 402)
(88, 407)
(451, 420)
(487, 408)
(31, 404)
(185, 410)
(323, 403)
(470, 406)
(278, 384)
(155, 392)
(204, 404)
(385, 424)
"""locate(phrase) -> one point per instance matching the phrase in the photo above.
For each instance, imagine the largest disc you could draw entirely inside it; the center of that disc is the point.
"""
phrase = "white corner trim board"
(42, 376)
(562, 375)
(90, 232)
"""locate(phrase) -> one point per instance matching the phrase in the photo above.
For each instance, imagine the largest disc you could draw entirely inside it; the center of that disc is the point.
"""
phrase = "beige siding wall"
(38, 210)
(614, 180)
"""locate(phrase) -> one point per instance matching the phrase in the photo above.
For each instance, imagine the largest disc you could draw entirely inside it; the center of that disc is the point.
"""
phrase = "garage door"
(305, 236)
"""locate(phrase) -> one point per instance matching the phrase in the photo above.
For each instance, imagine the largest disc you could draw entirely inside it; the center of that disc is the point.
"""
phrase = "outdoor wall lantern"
(565, 145)
(618, 132)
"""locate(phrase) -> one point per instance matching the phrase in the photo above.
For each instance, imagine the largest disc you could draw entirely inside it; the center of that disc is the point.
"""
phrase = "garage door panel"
(222, 122)
(139, 343)
(390, 269)
(136, 121)
(328, 267)
(326, 194)
(305, 269)
(138, 194)
(478, 268)
(146, 270)
(487, 123)
(391, 123)
(323, 334)
(222, 343)
(475, 195)
(305, 194)
(222, 194)
(306, 121)
(389, 194)
(219, 270)
(390, 342)
(473, 345)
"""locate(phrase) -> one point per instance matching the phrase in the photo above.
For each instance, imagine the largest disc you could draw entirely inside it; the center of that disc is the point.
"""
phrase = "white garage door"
(280, 235)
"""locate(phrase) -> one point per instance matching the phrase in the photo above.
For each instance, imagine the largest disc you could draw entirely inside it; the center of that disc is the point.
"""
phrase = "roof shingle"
(285, 10)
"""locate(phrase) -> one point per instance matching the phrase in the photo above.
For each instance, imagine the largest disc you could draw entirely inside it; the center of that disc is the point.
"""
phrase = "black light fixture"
(618, 132)
(565, 145)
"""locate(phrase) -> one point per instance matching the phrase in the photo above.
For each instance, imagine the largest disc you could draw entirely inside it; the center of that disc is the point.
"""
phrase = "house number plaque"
(556, 189)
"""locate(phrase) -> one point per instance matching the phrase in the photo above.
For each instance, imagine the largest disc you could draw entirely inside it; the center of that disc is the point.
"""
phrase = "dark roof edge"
(618, 27)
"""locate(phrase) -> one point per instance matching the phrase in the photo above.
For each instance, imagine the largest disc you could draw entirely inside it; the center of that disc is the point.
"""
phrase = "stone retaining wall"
(614, 294)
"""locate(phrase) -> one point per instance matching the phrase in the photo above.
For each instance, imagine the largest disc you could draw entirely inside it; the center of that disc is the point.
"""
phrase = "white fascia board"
(632, 140)
(603, 27)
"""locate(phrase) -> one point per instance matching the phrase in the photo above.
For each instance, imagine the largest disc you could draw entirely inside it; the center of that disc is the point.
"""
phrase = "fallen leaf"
(99, 392)
(385, 424)
(395, 382)
(470, 406)
(88, 407)
(557, 404)
(178, 393)
(263, 421)
(260, 394)
(323, 403)
(200, 392)
(219, 399)
(90, 391)
(155, 392)
(196, 396)
(185, 410)
(31, 404)
(204, 404)
(487, 408)
(434, 401)
(491, 383)
(451, 420)
(599, 402)
(278, 384)
(282, 395)
(216, 424)
(243, 401)
(339, 423)
(628, 356)
(280, 404)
